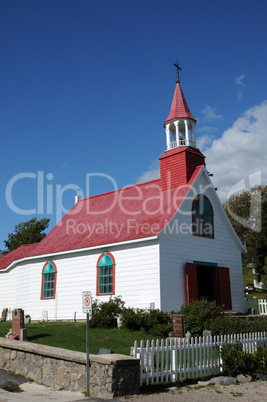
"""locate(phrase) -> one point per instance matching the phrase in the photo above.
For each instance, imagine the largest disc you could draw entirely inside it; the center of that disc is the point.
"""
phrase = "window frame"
(202, 218)
(98, 274)
(54, 281)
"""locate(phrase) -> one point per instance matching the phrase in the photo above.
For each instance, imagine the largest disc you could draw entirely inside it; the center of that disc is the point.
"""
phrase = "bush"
(200, 315)
(258, 325)
(260, 360)
(132, 319)
(228, 324)
(225, 324)
(157, 323)
(104, 314)
(235, 361)
(153, 322)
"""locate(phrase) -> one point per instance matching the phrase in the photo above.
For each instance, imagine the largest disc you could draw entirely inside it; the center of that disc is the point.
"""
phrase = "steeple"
(180, 124)
(179, 161)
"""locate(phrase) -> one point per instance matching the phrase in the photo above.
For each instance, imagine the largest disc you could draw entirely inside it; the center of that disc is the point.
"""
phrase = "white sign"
(87, 302)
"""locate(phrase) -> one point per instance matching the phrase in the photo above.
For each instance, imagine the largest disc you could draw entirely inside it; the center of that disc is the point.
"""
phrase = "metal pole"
(87, 354)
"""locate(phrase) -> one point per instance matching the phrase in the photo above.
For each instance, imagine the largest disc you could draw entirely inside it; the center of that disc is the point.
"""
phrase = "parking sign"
(87, 302)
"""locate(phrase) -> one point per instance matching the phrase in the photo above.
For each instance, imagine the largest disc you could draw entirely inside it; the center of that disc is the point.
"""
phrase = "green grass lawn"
(72, 335)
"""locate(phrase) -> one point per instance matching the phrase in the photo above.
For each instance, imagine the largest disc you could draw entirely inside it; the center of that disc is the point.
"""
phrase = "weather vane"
(178, 70)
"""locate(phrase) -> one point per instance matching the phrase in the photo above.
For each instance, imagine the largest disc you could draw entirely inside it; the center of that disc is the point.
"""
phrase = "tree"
(264, 276)
(244, 211)
(248, 214)
(257, 247)
(26, 233)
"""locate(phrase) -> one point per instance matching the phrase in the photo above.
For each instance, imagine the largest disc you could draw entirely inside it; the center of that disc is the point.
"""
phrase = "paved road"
(15, 388)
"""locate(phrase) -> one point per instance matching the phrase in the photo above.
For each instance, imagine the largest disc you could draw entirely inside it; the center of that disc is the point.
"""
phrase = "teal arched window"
(202, 217)
(105, 274)
(49, 275)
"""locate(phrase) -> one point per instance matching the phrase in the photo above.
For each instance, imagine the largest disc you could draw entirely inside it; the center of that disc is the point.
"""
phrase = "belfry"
(181, 156)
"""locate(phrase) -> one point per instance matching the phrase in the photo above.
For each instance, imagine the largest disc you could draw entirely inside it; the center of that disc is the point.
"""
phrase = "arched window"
(202, 216)
(49, 276)
(105, 274)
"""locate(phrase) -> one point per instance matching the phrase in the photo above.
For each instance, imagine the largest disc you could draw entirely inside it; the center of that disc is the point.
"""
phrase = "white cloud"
(210, 115)
(207, 128)
(239, 79)
(240, 152)
(241, 89)
(150, 174)
(203, 142)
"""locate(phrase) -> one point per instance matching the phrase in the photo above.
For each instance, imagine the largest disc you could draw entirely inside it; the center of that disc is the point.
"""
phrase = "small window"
(105, 274)
(202, 216)
(49, 280)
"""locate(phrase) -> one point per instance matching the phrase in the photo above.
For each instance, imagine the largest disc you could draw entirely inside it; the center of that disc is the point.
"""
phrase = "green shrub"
(235, 361)
(258, 325)
(225, 324)
(260, 360)
(104, 314)
(200, 315)
(157, 323)
(132, 319)
(228, 324)
(153, 322)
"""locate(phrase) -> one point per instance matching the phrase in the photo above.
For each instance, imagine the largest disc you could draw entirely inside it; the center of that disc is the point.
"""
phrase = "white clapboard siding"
(259, 305)
(177, 359)
(179, 247)
(136, 281)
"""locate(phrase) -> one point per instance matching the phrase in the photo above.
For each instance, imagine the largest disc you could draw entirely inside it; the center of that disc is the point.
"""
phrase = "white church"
(158, 244)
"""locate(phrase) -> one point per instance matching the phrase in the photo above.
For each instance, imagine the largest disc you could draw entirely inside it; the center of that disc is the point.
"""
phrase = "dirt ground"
(17, 388)
(249, 392)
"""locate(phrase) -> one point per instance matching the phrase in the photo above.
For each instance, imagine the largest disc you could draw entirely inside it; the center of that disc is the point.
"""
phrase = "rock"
(243, 378)
(222, 380)
(260, 377)
(171, 389)
(205, 383)
(103, 351)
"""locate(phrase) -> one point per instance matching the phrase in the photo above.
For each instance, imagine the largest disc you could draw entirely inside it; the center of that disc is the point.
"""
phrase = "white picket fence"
(259, 305)
(175, 359)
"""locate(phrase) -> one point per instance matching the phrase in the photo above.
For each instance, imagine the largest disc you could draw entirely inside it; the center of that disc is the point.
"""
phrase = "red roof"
(17, 254)
(131, 213)
(179, 106)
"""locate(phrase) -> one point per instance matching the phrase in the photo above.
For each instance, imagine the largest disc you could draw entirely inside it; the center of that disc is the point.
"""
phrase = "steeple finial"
(77, 197)
(178, 69)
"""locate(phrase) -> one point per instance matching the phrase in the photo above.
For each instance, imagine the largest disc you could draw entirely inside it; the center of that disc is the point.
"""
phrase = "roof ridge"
(119, 189)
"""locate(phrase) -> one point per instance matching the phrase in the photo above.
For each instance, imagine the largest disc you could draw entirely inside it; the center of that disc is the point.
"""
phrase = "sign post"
(87, 308)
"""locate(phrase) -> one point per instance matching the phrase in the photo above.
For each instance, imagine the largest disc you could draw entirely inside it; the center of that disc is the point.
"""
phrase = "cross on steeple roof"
(178, 70)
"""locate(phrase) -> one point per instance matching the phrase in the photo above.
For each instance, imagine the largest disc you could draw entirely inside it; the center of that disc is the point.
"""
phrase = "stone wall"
(114, 375)
(110, 375)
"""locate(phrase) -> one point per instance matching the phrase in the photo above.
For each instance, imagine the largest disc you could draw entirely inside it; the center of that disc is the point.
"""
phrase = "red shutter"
(215, 285)
(191, 282)
(225, 288)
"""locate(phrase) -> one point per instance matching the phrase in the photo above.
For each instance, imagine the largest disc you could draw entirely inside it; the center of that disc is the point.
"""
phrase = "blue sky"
(85, 88)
